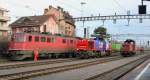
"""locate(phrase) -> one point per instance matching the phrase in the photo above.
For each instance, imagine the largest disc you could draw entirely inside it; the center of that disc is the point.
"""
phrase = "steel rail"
(118, 72)
(34, 63)
(35, 73)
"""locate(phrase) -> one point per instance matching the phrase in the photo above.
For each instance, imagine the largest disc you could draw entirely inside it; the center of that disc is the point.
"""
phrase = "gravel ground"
(22, 69)
(86, 72)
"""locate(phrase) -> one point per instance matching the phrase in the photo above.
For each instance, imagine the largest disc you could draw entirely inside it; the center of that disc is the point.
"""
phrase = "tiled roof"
(30, 21)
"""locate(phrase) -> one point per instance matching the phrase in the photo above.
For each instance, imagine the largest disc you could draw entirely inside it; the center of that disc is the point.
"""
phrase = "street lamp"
(82, 12)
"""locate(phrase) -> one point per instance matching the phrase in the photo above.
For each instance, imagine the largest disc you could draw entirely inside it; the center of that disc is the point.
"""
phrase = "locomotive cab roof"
(129, 41)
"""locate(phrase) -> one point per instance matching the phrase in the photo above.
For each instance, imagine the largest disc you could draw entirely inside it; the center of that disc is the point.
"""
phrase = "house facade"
(35, 24)
(66, 25)
(3, 23)
(52, 21)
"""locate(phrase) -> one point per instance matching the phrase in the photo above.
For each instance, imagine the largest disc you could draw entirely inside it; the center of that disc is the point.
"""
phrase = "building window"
(1, 33)
(43, 39)
(36, 39)
(30, 38)
(44, 29)
(64, 41)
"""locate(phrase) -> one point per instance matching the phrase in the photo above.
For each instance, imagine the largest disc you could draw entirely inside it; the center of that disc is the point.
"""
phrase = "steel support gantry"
(122, 35)
(113, 17)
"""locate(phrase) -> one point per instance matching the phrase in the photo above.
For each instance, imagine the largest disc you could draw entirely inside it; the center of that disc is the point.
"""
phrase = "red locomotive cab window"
(91, 44)
(52, 40)
(71, 41)
(68, 41)
(30, 39)
(18, 38)
(64, 41)
(36, 39)
(48, 39)
(43, 39)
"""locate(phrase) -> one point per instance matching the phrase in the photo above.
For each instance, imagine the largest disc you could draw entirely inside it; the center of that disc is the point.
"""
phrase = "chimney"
(45, 11)
(60, 9)
(50, 6)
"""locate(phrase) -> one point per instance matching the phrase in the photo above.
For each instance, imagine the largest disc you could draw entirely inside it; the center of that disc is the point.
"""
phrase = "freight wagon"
(116, 47)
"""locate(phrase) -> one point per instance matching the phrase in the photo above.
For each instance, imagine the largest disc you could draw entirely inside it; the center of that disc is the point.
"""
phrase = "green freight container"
(116, 46)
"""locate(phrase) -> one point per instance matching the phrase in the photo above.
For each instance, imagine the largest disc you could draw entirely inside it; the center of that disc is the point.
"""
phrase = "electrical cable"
(69, 5)
(20, 5)
(121, 7)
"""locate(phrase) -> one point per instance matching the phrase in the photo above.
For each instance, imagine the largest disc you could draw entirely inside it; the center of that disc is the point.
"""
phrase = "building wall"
(63, 26)
(4, 23)
(50, 24)
(53, 25)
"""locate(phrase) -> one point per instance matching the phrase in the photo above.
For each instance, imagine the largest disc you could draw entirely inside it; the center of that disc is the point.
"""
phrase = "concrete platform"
(86, 72)
(142, 72)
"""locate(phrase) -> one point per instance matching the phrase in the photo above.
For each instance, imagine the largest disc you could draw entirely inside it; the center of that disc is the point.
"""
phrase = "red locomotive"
(128, 48)
(23, 45)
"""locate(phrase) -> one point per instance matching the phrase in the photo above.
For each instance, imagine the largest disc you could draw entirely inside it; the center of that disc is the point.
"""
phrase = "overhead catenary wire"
(20, 5)
(68, 5)
(120, 6)
(28, 7)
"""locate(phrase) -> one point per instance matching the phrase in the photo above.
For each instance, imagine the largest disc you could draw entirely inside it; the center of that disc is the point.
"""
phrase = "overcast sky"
(20, 8)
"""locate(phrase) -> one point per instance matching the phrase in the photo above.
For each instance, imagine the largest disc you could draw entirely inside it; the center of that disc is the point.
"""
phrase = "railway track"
(44, 62)
(119, 72)
(35, 73)
(28, 64)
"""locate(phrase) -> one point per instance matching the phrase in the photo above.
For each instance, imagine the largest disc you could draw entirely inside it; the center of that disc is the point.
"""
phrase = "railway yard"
(114, 67)
(97, 40)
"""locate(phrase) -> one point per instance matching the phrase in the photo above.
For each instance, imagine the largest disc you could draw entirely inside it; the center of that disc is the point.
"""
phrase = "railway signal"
(142, 7)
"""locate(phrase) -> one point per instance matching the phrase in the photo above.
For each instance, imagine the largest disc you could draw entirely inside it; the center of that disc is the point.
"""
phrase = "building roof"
(2, 9)
(30, 21)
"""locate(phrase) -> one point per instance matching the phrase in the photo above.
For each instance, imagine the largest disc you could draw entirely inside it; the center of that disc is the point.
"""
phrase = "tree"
(100, 31)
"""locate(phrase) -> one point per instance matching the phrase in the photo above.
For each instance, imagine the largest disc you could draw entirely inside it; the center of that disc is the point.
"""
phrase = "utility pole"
(82, 14)
(142, 2)
(88, 31)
